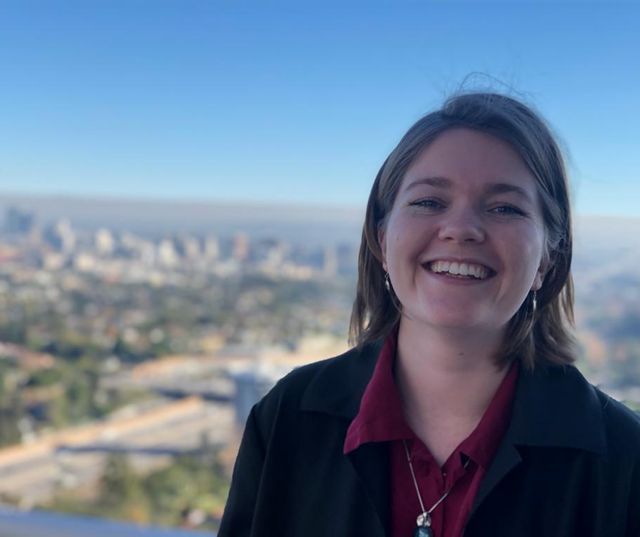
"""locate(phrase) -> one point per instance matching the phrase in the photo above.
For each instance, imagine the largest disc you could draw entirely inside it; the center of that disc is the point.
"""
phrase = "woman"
(458, 412)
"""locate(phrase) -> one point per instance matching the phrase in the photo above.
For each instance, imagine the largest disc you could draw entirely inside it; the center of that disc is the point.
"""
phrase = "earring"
(392, 295)
(534, 302)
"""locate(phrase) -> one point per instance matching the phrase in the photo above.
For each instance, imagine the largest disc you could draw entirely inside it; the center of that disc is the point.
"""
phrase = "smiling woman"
(459, 411)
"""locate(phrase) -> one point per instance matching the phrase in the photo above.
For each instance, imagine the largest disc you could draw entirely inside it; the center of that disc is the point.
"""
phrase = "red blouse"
(381, 419)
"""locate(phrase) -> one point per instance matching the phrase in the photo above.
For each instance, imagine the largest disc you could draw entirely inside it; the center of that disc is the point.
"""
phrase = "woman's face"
(468, 205)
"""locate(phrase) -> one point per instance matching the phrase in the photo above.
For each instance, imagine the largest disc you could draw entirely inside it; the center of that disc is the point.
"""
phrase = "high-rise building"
(61, 236)
(20, 223)
(188, 247)
(240, 247)
(211, 247)
(271, 252)
(104, 241)
(167, 254)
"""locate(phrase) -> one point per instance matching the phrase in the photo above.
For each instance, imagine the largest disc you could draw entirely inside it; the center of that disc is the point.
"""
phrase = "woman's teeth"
(459, 269)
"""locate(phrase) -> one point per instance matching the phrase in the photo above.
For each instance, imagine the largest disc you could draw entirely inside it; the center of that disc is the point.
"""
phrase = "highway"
(150, 440)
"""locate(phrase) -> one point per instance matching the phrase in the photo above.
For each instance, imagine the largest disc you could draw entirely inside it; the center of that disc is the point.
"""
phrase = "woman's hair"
(542, 337)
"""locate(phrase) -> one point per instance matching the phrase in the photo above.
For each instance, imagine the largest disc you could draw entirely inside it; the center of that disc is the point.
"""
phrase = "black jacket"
(569, 464)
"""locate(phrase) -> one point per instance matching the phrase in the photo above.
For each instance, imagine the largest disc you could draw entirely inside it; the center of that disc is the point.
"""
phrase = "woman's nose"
(461, 227)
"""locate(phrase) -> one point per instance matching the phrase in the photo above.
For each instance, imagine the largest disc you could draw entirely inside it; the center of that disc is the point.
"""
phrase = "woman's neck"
(446, 376)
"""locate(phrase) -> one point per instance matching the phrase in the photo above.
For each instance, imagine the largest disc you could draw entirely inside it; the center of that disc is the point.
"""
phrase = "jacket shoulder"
(292, 386)
(274, 431)
(290, 395)
(622, 426)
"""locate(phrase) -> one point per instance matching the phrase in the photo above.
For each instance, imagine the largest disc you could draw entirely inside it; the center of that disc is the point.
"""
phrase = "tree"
(11, 410)
(121, 492)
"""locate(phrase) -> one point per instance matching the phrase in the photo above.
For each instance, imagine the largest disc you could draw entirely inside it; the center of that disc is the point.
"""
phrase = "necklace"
(423, 522)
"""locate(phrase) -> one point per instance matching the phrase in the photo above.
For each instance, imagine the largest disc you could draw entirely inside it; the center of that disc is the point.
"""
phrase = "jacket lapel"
(339, 386)
(506, 459)
(371, 464)
(553, 407)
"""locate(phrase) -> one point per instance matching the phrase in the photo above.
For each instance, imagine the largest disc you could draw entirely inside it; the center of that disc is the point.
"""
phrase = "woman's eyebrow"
(506, 188)
(438, 182)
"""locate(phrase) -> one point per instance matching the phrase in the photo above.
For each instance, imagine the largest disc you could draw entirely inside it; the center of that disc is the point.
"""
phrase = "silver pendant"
(424, 520)
(424, 526)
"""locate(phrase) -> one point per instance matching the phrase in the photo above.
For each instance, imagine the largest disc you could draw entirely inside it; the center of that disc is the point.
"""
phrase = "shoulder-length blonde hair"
(542, 337)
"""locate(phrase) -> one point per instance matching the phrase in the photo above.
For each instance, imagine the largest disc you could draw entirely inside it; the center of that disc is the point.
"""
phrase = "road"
(151, 444)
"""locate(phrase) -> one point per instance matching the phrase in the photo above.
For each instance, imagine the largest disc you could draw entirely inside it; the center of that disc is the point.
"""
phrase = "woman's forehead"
(467, 159)
(468, 154)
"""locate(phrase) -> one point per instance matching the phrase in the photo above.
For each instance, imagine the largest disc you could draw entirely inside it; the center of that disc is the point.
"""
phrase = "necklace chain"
(425, 518)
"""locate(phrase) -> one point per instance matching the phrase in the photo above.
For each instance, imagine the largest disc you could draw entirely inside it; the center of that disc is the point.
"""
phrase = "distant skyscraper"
(167, 254)
(188, 247)
(211, 247)
(270, 252)
(104, 242)
(138, 248)
(20, 223)
(61, 236)
(240, 247)
(251, 386)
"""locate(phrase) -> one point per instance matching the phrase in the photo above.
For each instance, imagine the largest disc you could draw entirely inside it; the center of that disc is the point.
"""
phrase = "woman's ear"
(383, 248)
(540, 275)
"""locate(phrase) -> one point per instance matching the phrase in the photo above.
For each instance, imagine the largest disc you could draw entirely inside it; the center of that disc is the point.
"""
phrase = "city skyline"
(297, 104)
(299, 223)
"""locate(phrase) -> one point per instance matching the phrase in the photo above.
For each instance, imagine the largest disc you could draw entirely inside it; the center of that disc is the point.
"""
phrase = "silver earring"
(392, 295)
(534, 301)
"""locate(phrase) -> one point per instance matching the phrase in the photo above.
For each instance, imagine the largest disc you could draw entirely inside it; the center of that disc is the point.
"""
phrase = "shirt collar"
(554, 406)
(381, 416)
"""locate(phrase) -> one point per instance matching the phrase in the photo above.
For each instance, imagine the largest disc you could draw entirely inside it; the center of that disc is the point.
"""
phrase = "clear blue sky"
(278, 101)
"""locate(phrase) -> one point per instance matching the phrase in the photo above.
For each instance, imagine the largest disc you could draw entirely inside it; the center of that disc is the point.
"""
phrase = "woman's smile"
(456, 279)
(460, 268)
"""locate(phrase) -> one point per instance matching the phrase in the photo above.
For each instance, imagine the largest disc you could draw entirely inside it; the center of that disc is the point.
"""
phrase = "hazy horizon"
(295, 221)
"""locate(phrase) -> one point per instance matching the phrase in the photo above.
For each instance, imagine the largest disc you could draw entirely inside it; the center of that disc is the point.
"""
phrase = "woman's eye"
(507, 210)
(427, 204)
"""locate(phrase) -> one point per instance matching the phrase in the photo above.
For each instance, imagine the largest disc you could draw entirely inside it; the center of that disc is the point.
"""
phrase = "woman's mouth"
(466, 271)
